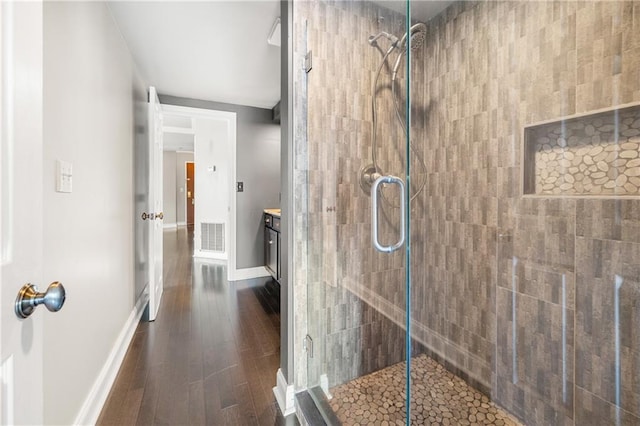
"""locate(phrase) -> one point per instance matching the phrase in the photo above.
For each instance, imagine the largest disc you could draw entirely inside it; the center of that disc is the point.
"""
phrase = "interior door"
(21, 48)
(155, 203)
(191, 196)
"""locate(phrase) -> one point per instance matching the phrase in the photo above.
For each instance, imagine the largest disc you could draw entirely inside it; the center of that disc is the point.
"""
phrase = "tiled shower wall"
(554, 317)
(534, 298)
(333, 141)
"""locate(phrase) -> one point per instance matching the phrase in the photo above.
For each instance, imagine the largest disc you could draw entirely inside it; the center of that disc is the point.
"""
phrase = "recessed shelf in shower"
(595, 154)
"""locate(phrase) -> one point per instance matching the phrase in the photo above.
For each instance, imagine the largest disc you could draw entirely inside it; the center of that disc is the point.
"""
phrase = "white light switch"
(64, 176)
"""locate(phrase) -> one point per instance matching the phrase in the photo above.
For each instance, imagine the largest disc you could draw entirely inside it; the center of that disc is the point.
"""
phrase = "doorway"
(191, 199)
(212, 137)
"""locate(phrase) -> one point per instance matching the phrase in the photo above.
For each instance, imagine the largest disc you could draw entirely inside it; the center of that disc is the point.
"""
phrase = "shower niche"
(595, 154)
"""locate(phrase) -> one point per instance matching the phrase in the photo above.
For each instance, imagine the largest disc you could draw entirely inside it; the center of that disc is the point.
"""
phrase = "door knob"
(29, 298)
(145, 216)
(160, 216)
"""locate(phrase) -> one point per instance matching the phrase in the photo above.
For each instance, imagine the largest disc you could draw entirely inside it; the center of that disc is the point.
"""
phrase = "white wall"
(212, 150)
(88, 120)
(169, 188)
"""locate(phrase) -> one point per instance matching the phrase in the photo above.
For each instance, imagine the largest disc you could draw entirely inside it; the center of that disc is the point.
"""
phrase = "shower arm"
(393, 39)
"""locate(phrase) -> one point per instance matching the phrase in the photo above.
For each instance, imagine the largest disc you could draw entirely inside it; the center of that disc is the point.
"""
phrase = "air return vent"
(212, 237)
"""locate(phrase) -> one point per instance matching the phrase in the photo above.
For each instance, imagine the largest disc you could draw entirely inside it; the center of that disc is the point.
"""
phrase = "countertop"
(273, 212)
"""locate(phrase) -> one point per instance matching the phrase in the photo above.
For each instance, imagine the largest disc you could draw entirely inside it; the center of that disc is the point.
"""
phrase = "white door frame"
(22, 391)
(230, 234)
(155, 152)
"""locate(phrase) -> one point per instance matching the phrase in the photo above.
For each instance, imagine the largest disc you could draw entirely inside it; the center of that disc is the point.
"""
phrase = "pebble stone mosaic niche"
(591, 155)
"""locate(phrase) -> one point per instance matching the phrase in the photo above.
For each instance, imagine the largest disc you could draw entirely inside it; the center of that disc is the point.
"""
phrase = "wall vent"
(212, 237)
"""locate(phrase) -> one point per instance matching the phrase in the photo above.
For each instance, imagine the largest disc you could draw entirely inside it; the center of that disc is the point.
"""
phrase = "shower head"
(418, 34)
(414, 39)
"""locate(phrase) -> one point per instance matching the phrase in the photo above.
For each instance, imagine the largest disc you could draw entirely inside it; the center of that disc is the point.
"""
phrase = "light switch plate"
(64, 176)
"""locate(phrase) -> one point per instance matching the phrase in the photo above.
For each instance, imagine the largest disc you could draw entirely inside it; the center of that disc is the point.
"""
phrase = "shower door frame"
(314, 346)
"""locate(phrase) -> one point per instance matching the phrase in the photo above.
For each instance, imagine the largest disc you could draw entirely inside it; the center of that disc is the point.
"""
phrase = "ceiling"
(421, 10)
(215, 50)
(179, 133)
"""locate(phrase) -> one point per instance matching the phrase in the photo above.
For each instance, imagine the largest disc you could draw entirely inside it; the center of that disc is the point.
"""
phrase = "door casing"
(21, 212)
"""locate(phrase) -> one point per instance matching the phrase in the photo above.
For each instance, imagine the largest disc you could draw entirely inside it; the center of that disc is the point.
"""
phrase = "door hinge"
(308, 345)
(308, 61)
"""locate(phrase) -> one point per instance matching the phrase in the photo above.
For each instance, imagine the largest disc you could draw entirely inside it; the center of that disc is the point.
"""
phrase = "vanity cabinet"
(272, 245)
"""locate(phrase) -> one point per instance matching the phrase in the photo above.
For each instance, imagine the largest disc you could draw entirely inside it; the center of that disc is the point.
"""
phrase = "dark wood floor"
(210, 357)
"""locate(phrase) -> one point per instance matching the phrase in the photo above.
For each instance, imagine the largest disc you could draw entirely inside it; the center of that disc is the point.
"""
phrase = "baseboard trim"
(247, 273)
(209, 255)
(182, 223)
(170, 225)
(93, 404)
(284, 395)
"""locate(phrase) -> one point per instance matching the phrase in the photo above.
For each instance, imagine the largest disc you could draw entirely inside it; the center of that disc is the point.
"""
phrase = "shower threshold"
(438, 397)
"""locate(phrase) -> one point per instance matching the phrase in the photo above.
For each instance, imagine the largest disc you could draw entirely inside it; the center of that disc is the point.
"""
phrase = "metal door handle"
(152, 216)
(29, 298)
(374, 213)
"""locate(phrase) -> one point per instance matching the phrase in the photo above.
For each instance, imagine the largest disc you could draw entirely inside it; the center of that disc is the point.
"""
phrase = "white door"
(21, 186)
(155, 203)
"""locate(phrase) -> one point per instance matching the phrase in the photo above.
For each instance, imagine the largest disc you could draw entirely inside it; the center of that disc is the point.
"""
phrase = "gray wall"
(89, 88)
(287, 152)
(257, 165)
(175, 187)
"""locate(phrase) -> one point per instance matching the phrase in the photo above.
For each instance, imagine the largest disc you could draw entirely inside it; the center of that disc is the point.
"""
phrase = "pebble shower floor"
(438, 398)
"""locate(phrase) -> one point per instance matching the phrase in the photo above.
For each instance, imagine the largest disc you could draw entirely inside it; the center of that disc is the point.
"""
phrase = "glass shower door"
(515, 129)
(351, 138)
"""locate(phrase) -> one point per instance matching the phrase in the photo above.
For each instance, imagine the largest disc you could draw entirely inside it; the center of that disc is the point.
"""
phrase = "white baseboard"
(170, 225)
(284, 395)
(209, 255)
(90, 410)
(182, 223)
(247, 273)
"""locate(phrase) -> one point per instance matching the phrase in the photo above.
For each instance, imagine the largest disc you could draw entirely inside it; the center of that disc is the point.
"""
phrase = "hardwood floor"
(210, 357)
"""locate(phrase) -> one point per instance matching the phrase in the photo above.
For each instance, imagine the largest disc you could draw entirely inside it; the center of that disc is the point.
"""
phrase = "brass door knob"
(160, 216)
(145, 216)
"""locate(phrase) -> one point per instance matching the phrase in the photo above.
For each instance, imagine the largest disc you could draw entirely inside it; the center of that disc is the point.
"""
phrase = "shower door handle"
(374, 213)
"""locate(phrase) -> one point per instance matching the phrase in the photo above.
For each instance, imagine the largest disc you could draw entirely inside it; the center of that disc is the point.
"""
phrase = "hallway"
(210, 357)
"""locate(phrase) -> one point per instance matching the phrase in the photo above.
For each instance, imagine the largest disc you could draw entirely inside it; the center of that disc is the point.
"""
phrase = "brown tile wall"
(551, 60)
(351, 337)
(518, 293)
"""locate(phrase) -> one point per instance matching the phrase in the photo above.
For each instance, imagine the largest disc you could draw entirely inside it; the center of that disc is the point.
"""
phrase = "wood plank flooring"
(210, 357)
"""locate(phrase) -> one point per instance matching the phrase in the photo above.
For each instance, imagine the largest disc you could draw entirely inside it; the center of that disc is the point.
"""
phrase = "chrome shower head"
(418, 34)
